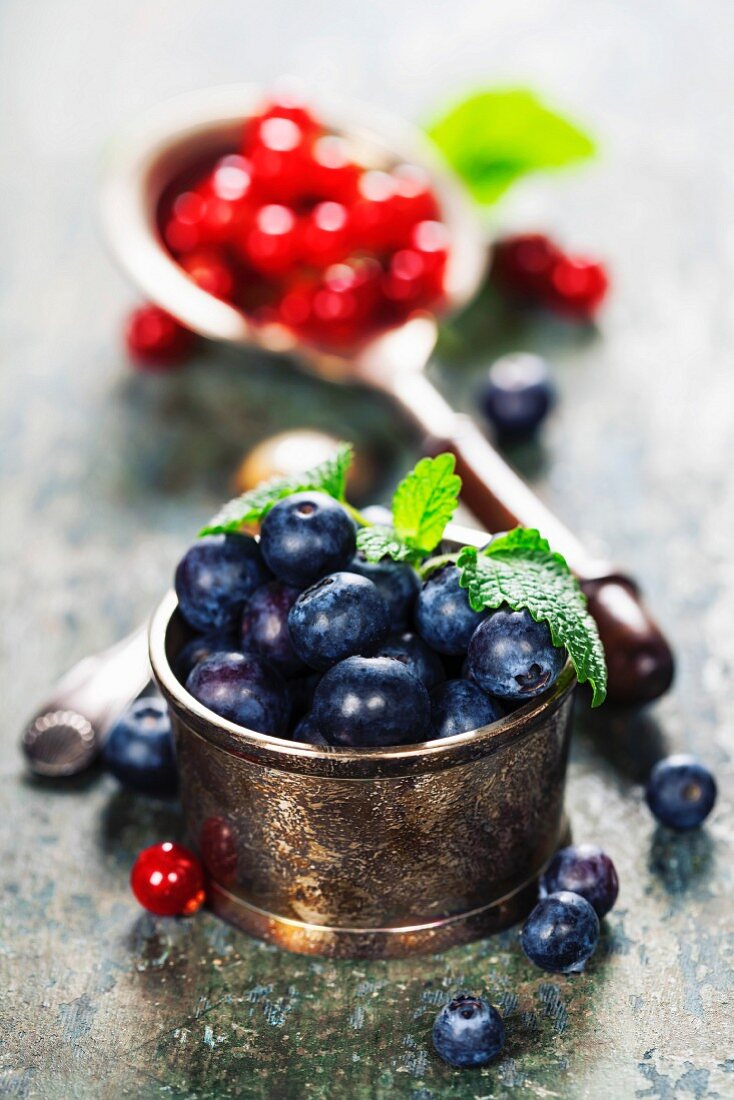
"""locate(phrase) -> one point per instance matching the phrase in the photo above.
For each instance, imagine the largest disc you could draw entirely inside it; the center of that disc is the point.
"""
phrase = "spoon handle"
(639, 658)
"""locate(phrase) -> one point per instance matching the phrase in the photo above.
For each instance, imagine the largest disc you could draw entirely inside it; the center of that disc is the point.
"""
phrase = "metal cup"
(368, 853)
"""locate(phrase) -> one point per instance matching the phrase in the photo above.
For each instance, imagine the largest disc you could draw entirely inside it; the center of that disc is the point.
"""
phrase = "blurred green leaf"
(494, 137)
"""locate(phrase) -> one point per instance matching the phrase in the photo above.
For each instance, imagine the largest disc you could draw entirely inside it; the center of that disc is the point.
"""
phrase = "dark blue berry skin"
(681, 792)
(512, 656)
(244, 689)
(308, 733)
(264, 628)
(371, 701)
(516, 395)
(458, 706)
(413, 652)
(139, 748)
(561, 933)
(468, 1032)
(443, 615)
(306, 536)
(215, 577)
(398, 584)
(198, 649)
(583, 869)
(302, 689)
(339, 616)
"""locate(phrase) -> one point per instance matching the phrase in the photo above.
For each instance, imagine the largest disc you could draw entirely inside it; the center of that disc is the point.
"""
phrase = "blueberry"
(459, 706)
(443, 615)
(468, 1031)
(561, 933)
(397, 583)
(583, 869)
(244, 689)
(306, 536)
(307, 733)
(512, 656)
(302, 690)
(681, 792)
(265, 627)
(198, 649)
(215, 577)
(413, 652)
(368, 701)
(139, 748)
(339, 616)
(516, 394)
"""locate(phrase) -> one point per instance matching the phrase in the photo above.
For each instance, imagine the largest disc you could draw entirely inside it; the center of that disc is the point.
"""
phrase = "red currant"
(210, 272)
(231, 179)
(291, 107)
(167, 879)
(183, 230)
(279, 157)
(332, 173)
(413, 200)
(406, 280)
(577, 287)
(341, 309)
(325, 236)
(155, 339)
(271, 245)
(373, 213)
(523, 263)
(431, 239)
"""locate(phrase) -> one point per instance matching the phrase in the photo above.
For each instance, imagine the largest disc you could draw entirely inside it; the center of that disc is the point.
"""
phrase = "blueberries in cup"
(198, 649)
(305, 536)
(417, 657)
(681, 792)
(398, 585)
(244, 689)
(468, 1031)
(443, 615)
(513, 657)
(139, 750)
(341, 615)
(458, 706)
(264, 627)
(586, 870)
(371, 701)
(215, 577)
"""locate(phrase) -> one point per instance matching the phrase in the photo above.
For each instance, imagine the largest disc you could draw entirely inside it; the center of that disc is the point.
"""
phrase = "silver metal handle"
(66, 733)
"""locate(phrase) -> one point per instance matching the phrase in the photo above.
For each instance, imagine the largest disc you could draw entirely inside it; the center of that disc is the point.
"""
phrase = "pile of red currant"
(534, 270)
(292, 229)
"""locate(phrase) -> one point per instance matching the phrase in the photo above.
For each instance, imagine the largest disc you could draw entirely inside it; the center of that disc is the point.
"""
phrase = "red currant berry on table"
(271, 246)
(577, 287)
(167, 879)
(523, 263)
(155, 339)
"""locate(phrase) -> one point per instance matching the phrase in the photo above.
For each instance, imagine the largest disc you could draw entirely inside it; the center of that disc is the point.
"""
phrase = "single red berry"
(431, 240)
(332, 174)
(210, 271)
(167, 879)
(577, 287)
(231, 178)
(279, 155)
(271, 246)
(155, 339)
(183, 229)
(343, 305)
(373, 212)
(413, 200)
(406, 280)
(522, 265)
(290, 106)
(325, 234)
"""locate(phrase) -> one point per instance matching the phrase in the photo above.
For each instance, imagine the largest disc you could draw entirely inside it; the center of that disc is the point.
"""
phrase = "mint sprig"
(494, 137)
(423, 504)
(520, 569)
(329, 476)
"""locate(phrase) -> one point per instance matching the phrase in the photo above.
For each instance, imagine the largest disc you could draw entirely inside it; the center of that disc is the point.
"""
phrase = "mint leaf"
(494, 137)
(521, 570)
(377, 543)
(330, 476)
(425, 501)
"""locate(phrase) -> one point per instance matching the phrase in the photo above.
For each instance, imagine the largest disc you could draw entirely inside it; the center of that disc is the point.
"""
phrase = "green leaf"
(377, 543)
(494, 137)
(521, 570)
(330, 476)
(425, 501)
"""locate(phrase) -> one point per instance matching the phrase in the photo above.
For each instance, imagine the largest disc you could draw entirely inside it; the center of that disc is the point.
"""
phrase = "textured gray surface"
(106, 475)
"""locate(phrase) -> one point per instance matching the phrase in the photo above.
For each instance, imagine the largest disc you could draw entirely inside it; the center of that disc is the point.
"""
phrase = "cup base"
(379, 943)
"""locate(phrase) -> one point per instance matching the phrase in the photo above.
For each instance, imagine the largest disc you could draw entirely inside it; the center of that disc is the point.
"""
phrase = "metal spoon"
(190, 128)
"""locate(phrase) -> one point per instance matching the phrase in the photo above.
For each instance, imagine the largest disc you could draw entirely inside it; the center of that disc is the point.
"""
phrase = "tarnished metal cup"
(368, 852)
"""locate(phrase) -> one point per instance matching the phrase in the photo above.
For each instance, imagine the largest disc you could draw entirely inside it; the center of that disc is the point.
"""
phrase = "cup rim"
(336, 760)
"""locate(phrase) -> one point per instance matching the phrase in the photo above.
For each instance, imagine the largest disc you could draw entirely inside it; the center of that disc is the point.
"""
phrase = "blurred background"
(107, 473)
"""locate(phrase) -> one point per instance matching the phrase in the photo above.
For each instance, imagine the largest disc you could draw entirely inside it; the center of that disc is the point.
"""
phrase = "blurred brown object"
(288, 453)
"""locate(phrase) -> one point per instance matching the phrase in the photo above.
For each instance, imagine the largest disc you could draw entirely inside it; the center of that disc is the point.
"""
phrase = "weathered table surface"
(106, 475)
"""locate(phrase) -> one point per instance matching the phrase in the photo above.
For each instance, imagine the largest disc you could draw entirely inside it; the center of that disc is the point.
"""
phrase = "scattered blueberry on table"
(561, 933)
(139, 751)
(468, 1031)
(586, 870)
(681, 792)
(516, 395)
